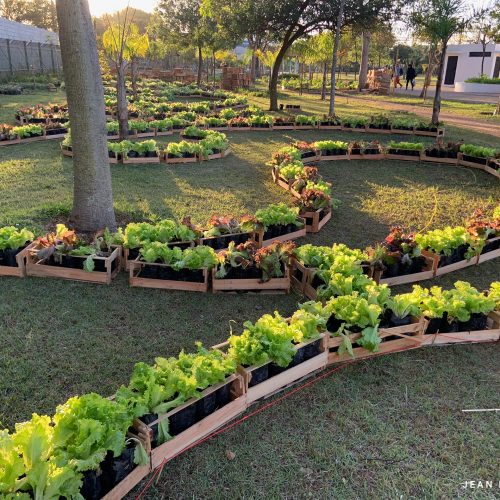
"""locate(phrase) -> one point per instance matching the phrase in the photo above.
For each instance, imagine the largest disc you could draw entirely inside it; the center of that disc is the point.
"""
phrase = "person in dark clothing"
(410, 76)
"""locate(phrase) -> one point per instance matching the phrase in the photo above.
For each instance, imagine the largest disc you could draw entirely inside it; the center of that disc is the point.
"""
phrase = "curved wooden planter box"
(316, 220)
(126, 252)
(434, 159)
(206, 241)
(491, 334)
(10, 142)
(282, 182)
(140, 160)
(18, 271)
(325, 157)
(300, 276)
(409, 337)
(273, 286)
(284, 127)
(135, 280)
(194, 159)
(299, 233)
(38, 268)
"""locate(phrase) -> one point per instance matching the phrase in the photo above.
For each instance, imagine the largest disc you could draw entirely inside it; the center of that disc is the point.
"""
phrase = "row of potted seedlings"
(213, 145)
(168, 406)
(147, 247)
(29, 133)
(484, 158)
(408, 257)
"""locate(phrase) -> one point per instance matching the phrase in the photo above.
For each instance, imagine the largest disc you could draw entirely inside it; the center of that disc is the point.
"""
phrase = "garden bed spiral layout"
(352, 313)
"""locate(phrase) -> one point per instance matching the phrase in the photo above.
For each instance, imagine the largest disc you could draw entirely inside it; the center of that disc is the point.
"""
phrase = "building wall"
(27, 49)
(468, 66)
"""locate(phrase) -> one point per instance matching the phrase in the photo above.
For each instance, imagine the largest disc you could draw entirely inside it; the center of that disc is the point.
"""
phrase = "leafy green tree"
(123, 43)
(436, 21)
(486, 29)
(181, 23)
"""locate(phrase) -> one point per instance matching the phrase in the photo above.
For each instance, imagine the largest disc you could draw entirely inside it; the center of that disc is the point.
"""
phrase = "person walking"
(410, 76)
(398, 71)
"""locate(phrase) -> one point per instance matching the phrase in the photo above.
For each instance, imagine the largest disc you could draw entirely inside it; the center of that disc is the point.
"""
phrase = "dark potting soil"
(182, 420)
(221, 242)
(457, 255)
(307, 154)
(277, 230)
(91, 485)
(490, 246)
(239, 273)
(168, 273)
(8, 256)
(404, 152)
(115, 469)
(474, 159)
(477, 321)
(259, 375)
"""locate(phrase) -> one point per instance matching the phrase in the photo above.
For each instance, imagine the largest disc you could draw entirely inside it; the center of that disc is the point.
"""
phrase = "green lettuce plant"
(278, 214)
(13, 238)
(443, 241)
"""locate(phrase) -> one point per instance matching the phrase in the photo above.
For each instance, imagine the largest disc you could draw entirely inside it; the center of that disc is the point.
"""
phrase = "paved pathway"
(486, 127)
(472, 97)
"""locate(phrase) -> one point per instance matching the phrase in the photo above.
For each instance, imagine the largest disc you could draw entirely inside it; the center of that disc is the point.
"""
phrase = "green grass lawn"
(389, 427)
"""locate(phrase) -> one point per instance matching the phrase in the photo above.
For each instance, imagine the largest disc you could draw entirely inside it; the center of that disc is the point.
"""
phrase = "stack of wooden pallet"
(379, 80)
(233, 78)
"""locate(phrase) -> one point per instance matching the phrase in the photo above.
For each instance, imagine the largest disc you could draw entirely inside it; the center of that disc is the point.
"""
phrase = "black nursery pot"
(333, 324)
(395, 321)
(307, 154)
(8, 256)
(259, 375)
(223, 396)
(477, 321)
(150, 272)
(311, 350)
(475, 159)
(433, 325)
(147, 419)
(91, 485)
(205, 406)
(356, 151)
(182, 420)
(446, 326)
(115, 469)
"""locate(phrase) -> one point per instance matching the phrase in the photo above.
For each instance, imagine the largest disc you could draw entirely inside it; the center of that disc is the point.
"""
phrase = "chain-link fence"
(19, 57)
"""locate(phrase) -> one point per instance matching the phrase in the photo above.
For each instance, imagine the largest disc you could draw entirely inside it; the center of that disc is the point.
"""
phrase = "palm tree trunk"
(92, 191)
(436, 107)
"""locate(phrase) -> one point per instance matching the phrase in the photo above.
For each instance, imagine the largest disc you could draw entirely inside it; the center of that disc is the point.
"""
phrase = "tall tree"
(122, 42)
(436, 21)
(180, 22)
(92, 191)
(365, 54)
(336, 43)
(486, 30)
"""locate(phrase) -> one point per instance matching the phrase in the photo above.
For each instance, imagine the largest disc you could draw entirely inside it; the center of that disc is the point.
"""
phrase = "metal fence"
(18, 57)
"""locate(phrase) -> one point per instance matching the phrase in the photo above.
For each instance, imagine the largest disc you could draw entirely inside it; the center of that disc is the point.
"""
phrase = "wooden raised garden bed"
(299, 276)
(401, 131)
(413, 156)
(10, 141)
(273, 286)
(290, 126)
(221, 154)
(330, 127)
(492, 254)
(378, 130)
(361, 129)
(226, 400)
(161, 133)
(328, 155)
(430, 133)
(455, 266)
(298, 233)
(436, 159)
(191, 159)
(428, 272)
(264, 380)
(282, 182)
(131, 254)
(108, 268)
(152, 277)
(140, 159)
(491, 334)
(472, 161)
(393, 339)
(317, 219)
(222, 242)
(19, 270)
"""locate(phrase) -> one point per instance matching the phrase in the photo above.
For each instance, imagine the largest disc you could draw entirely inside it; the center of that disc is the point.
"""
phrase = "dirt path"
(486, 127)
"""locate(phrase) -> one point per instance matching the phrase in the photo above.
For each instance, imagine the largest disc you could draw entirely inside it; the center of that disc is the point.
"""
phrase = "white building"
(464, 61)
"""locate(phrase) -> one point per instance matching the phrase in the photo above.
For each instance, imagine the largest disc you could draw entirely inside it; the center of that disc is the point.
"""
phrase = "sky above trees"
(99, 7)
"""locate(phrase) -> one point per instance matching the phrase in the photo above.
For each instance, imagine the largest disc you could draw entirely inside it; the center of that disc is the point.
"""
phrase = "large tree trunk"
(273, 80)
(92, 191)
(336, 43)
(436, 107)
(200, 66)
(323, 83)
(133, 76)
(121, 101)
(363, 69)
